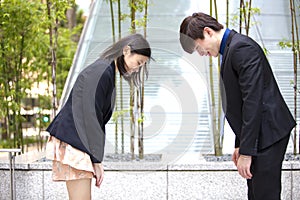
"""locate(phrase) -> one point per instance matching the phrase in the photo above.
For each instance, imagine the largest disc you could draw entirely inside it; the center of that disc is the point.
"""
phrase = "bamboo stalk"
(293, 21)
(249, 16)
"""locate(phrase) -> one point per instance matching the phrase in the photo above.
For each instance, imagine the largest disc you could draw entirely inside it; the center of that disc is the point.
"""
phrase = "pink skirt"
(69, 163)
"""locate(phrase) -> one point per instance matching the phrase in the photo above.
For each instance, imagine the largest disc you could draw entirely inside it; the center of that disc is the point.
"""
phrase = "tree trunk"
(142, 93)
(116, 121)
(119, 18)
(132, 119)
(132, 14)
(141, 119)
(249, 16)
(215, 109)
(18, 122)
(241, 14)
(227, 13)
(6, 131)
(132, 89)
(112, 20)
(116, 103)
(52, 32)
(295, 49)
(71, 17)
(121, 79)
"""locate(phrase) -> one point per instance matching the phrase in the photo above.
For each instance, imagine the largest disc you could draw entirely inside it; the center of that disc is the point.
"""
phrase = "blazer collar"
(231, 34)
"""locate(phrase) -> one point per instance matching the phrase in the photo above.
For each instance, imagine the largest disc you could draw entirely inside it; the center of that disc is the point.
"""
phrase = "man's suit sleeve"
(247, 61)
(237, 142)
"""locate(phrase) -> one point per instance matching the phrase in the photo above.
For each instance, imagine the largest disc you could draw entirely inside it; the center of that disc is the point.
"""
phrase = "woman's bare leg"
(79, 189)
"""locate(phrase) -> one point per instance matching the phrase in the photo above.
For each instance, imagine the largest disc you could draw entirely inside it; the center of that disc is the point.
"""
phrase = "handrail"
(11, 157)
(81, 51)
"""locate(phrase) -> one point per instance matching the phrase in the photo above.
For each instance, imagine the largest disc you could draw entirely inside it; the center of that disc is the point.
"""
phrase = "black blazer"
(81, 121)
(252, 102)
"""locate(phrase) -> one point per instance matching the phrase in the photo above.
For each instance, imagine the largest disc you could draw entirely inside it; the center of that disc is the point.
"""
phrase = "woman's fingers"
(99, 173)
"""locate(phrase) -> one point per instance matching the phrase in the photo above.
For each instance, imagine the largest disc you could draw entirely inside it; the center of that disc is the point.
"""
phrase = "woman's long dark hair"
(138, 45)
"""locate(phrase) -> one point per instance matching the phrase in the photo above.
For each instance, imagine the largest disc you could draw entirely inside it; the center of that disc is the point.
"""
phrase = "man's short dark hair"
(192, 28)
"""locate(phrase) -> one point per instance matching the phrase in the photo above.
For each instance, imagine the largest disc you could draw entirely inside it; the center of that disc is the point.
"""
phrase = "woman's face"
(134, 61)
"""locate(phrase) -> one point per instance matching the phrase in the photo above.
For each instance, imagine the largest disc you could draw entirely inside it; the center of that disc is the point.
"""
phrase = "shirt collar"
(223, 42)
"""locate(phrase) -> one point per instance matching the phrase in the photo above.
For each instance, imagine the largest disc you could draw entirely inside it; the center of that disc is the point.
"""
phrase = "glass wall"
(177, 100)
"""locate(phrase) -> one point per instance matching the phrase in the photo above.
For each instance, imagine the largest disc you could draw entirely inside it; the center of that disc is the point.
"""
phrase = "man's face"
(209, 45)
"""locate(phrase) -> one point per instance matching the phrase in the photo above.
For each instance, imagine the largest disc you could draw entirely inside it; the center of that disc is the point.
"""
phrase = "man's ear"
(126, 50)
(208, 30)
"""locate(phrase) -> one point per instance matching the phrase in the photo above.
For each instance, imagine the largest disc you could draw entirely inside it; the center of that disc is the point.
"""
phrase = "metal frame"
(11, 157)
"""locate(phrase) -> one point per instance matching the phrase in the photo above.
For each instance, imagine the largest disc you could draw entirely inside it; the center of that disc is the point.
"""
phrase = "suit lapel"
(232, 32)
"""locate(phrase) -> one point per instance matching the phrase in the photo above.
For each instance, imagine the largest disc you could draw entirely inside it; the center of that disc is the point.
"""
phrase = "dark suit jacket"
(252, 102)
(81, 121)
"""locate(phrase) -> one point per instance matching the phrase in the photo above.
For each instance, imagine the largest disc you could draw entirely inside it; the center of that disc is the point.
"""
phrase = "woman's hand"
(99, 173)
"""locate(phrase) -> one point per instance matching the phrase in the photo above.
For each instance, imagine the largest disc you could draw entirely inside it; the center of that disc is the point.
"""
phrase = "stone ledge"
(140, 180)
(37, 161)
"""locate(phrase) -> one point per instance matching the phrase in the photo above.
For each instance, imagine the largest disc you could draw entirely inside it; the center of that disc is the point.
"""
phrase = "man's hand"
(235, 156)
(243, 163)
(99, 173)
(243, 166)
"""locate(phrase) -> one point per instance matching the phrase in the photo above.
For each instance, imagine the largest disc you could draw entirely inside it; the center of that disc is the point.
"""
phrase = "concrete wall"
(138, 180)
